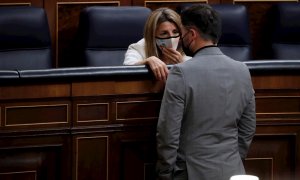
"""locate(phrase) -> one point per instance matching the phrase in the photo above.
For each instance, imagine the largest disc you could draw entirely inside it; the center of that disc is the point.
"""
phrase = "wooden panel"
(139, 87)
(68, 45)
(137, 110)
(261, 167)
(91, 160)
(93, 88)
(38, 162)
(137, 160)
(91, 113)
(105, 129)
(35, 114)
(116, 87)
(278, 107)
(34, 91)
(24, 175)
(273, 156)
(259, 22)
(37, 3)
(154, 4)
(136, 155)
(276, 82)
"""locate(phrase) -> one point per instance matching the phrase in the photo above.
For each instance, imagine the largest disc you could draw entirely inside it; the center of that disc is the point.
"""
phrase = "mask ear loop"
(168, 37)
(185, 34)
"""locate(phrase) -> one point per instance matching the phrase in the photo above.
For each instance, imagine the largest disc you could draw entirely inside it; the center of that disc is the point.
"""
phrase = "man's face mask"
(186, 47)
(170, 42)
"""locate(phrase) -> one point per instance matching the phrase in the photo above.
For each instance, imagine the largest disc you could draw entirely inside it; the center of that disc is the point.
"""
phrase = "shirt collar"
(204, 47)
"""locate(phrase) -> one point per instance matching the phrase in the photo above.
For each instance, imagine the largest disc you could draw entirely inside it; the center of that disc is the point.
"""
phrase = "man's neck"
(201, 44)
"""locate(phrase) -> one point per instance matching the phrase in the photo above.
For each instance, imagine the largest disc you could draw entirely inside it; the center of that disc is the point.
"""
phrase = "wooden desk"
(99, 124)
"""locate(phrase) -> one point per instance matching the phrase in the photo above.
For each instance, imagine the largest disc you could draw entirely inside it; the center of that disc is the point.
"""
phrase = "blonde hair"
(157, 17)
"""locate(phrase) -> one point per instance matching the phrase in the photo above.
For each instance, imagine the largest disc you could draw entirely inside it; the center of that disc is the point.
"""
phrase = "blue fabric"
(235, 41)
(25, 41)
(286, 37)
(106, 32)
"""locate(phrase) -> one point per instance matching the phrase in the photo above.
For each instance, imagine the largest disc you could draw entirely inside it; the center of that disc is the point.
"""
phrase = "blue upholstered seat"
(106, 33)
(286, 36)
(25, 41)
(235, 41)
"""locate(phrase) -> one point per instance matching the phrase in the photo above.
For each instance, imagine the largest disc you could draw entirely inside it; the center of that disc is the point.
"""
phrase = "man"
(207, 117)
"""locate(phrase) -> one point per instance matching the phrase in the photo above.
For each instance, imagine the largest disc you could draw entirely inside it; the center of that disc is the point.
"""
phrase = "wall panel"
(33, 158)
(154, 4)
(67, 20)
(35, 115)
(136, 150)
(271, 155)
(37, 3)
(91, 157)
(261, 167)
(137, 110)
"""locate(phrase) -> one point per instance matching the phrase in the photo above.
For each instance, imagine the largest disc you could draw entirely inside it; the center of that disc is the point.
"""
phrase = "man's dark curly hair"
(205, 19)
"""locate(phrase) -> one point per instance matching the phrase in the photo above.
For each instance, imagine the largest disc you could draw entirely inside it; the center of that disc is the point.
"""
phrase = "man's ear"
(194, 33)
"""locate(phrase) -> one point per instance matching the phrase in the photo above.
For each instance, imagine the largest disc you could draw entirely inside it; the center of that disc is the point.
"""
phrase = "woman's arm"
(135, 55)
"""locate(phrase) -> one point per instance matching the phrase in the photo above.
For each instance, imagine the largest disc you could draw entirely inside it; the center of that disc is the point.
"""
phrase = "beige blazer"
(136, 53)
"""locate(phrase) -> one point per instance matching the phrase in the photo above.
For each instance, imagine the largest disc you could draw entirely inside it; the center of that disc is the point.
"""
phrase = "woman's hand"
(171, 56)
(158, 67)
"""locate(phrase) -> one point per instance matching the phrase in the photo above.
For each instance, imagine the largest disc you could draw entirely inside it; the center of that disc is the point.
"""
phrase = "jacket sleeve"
(134, 53)
(247, 126)
(169, 124)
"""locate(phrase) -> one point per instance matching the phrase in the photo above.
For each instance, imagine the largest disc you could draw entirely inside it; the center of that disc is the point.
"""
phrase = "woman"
(159, 46)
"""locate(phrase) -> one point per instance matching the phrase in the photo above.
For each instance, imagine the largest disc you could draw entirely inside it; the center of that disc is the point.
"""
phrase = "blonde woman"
(160, 45)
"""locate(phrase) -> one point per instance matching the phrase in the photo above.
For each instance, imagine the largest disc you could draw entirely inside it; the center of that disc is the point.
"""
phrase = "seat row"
(106, 32)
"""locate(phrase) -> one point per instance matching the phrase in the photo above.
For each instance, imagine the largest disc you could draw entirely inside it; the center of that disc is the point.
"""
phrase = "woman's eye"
(164, 34)
(175, 32)
(169, 34)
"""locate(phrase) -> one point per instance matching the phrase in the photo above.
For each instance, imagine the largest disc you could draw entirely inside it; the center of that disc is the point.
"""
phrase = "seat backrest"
(25, 41)
(106, 33)
(286, 31)
(235, 41)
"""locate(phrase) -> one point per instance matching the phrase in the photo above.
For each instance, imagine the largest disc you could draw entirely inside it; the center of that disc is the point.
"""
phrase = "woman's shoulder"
(138, 47)
(185, 57)
(139, 44)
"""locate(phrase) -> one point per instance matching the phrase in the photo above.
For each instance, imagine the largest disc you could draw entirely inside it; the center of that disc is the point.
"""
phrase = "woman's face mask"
(170, 42)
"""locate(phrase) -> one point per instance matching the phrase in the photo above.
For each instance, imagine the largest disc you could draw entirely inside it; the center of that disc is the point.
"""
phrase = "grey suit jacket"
(207, 118)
